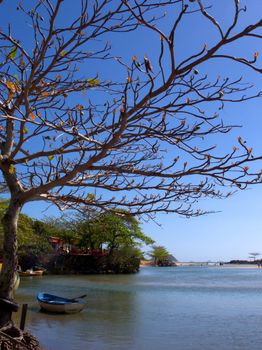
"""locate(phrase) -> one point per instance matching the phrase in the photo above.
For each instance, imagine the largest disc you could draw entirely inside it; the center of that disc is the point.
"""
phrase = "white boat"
(57, 304)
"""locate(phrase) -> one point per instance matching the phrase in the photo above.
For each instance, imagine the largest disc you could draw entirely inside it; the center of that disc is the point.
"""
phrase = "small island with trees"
(102, 243)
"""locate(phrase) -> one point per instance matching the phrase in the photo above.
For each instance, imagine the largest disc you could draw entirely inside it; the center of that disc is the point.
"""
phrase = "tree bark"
(7, 276)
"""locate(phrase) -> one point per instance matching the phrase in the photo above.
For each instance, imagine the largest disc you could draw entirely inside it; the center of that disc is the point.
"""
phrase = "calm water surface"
(184, 308)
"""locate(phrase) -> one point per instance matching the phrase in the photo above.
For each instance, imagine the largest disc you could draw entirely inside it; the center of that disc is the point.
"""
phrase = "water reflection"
(110, 309)
(183, 308)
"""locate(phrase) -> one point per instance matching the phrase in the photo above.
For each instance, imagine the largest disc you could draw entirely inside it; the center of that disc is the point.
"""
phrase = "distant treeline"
(244, 261)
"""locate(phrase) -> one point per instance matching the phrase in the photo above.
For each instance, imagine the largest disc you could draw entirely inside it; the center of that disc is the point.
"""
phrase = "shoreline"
(241, 266)
(227, 266)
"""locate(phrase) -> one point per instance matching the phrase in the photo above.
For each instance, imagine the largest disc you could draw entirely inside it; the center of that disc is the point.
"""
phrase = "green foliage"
(131, 252)
(125, 259)
(12, 53)
(111, 230)
(29, 241)
(63, 227)
(160, 255)
(121, 235)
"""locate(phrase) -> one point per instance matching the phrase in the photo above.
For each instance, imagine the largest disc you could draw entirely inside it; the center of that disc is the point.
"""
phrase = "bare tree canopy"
(138, 134)
(116, 137)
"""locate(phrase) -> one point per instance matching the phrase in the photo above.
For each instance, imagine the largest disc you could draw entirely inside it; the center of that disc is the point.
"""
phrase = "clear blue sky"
(236, 229)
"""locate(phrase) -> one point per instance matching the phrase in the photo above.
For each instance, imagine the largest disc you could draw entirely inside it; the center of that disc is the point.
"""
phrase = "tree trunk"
(7, 276)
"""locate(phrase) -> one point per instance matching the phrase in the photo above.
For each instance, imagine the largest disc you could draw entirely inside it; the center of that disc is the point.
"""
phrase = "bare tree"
(110, 151)
(254, 255)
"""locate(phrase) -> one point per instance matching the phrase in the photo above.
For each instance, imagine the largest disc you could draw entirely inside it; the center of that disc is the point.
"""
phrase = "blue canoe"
(54, 303)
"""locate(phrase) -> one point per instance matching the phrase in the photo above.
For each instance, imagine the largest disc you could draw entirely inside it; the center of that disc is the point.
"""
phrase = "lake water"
(183, 308)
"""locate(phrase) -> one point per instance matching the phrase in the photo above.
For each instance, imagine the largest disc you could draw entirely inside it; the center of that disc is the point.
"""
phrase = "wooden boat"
(57, 304)
(29, 273)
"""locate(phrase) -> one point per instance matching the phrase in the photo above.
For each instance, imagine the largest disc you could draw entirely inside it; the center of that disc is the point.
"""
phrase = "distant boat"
(57, 304)
(29, 273)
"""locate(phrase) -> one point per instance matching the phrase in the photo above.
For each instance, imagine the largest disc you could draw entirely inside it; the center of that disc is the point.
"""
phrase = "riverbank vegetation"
(80, 243)
(102, 243)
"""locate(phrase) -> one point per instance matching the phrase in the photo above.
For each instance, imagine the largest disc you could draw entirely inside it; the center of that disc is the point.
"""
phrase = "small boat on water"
(29, 273)
(57, 304)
